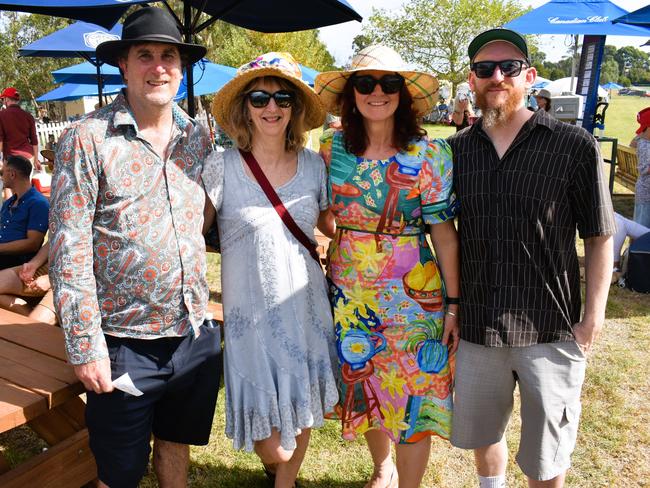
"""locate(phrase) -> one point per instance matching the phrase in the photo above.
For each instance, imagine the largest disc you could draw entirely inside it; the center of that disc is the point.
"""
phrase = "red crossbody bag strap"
(278, 205)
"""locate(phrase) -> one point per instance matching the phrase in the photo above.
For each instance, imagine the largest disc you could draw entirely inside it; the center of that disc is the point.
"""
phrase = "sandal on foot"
(393, 481)
(268, 471)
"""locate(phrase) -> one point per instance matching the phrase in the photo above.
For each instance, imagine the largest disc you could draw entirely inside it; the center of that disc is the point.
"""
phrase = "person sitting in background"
(26, 289)
(543, 99)
(23, 217)
(48, 155)
(642, 189)
(625, 228)
(51, 142)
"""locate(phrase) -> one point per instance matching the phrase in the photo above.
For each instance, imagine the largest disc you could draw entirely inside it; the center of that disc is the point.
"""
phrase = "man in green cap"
(526, 182)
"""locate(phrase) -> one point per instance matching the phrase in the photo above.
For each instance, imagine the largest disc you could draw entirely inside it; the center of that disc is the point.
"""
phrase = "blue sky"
(338, 38)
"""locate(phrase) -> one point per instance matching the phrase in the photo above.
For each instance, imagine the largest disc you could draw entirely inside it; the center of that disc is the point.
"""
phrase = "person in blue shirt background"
(23, 218)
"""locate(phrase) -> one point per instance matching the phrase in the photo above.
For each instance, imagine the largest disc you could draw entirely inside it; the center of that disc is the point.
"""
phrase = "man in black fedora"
(127, 261)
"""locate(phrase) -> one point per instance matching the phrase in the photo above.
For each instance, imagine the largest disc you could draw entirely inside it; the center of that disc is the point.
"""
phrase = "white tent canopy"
(562, 85)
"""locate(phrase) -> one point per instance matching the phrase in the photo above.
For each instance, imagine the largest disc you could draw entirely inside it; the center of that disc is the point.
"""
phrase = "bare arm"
(37, 163)
(459, 112)
(30, 267)
(326, 223)
(445, 242)
(31, 243)
(209, 214)
(598, 265)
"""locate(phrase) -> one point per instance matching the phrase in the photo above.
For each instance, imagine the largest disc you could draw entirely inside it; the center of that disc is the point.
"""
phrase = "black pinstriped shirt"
(520, 281)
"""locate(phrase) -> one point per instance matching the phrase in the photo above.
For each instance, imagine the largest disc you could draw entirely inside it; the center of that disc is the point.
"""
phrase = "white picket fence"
(44, 130)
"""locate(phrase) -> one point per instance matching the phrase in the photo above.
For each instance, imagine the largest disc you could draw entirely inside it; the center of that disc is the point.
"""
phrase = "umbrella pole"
(573, 62)
(99, 85)
(187, 13)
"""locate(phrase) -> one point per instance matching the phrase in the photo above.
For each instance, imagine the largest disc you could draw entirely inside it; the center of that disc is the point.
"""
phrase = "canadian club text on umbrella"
(575, 17)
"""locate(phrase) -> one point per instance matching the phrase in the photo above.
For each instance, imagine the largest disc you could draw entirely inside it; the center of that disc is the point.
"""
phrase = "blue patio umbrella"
(101, 12)
(612, 86)
(73, 91)
(209, 77)
(263, 16)
(260, 15)
(77, 40)
(577, 17)
(638, 17)
(86, 74)
(308, 74)
(582, 17)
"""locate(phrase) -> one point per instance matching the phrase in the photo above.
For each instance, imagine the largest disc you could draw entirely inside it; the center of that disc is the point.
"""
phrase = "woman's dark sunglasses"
(261, 98)
(508, 67)
(366, 84)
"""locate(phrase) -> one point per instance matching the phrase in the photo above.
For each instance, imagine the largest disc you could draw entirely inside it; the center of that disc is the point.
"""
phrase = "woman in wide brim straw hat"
(389, 184)
(279, 340)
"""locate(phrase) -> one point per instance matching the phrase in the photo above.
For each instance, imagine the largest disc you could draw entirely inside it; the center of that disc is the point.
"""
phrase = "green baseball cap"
(498, 34)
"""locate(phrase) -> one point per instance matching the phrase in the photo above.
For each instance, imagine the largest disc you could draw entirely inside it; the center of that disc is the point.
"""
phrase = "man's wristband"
(453, 301)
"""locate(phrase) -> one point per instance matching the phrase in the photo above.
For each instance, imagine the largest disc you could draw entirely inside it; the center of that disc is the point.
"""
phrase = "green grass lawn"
(620, 118)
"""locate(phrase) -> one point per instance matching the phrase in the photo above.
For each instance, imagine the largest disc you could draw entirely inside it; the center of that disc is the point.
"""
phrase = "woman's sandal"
(393, 481)
(268, 471)
(270, 475)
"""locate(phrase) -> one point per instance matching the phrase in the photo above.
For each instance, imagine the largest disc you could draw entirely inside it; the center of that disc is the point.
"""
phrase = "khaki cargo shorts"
(550, 378)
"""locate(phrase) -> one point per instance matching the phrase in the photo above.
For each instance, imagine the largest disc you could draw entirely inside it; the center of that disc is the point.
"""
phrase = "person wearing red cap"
(17, 129)
(642, 189)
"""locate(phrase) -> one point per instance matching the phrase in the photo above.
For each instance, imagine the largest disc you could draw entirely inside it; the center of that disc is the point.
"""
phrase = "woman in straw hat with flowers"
(279, 343)
(395, 305)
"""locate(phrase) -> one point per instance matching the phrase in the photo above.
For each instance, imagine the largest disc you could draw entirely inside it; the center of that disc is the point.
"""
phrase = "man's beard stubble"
(503, 113)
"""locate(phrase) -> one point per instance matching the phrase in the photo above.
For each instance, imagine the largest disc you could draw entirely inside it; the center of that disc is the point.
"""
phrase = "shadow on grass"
(223, 476)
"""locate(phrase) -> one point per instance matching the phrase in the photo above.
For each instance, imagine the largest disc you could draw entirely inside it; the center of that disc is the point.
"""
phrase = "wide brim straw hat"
(280, 65)
(422, 86)
(148, 24)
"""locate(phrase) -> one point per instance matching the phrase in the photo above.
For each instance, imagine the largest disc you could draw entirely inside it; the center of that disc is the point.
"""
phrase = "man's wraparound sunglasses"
(261, 98)
(366, 84)
(508, 67)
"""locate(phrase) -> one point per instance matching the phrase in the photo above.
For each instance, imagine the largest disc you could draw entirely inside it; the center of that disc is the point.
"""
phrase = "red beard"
(500, 114)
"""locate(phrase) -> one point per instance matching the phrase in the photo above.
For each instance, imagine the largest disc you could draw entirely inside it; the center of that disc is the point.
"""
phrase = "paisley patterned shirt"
(127, 257)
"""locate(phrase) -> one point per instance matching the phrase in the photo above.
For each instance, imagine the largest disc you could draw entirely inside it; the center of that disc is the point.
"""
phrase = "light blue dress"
(279, 339)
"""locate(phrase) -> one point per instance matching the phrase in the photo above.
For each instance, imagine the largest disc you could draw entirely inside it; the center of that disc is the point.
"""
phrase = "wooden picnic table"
(39, 389)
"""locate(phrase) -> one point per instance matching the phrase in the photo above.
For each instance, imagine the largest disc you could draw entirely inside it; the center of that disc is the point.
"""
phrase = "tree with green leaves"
(233, 46)
(31, 76)
(434, 34)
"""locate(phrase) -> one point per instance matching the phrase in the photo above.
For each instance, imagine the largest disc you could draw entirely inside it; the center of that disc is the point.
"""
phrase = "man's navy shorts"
(179, 378)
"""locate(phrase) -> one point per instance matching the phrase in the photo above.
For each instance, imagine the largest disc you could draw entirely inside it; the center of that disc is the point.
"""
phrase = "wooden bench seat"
(39, 389)
(627, 168)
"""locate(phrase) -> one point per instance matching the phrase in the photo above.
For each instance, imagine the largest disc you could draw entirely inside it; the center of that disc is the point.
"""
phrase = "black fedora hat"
(148, 24)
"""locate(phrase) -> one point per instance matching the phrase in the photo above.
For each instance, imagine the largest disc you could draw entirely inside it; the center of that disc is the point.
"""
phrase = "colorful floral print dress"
(386, 289)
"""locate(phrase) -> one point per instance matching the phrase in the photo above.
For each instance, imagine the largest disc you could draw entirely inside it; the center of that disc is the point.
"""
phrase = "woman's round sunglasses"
(508, 67)
(261, 98)
(365, 84)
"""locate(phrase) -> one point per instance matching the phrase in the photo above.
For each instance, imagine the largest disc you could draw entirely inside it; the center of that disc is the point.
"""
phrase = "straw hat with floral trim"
(423, 87)
(281, 65)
